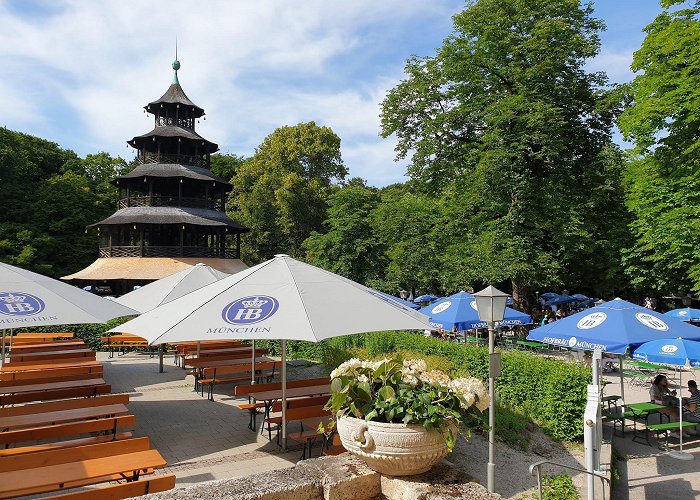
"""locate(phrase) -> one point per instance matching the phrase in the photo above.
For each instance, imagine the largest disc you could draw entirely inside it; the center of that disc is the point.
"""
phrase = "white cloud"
(615, 63)
(78, 72)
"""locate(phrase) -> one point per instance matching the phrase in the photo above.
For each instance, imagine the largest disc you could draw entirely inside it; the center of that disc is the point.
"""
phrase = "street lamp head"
(491, 304)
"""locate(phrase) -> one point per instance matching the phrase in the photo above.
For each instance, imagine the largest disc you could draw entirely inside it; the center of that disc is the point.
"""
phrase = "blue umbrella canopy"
(613, 327)
(561, 299)
(459, 312)
(549, 295)
(678, 352)
(684, 314)
(400, 301)
(425, 298)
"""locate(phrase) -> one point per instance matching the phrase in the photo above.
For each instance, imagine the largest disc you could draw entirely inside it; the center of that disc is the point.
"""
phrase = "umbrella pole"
(3, 347)
(284, 395)
(198, 346)
(622, 383)
(680, 454)
(252, 362)
(160, 358)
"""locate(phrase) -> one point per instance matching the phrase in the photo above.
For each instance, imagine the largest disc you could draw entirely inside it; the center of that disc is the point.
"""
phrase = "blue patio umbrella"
(612, 327)
(400, 301)
(678, 352)
(561, 299)
(684, 314)
(548, 295)
(459, 312)
(425, 298)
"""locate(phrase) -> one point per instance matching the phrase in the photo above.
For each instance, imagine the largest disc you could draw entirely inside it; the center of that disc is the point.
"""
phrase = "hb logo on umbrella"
(20, 304)
(248, 310)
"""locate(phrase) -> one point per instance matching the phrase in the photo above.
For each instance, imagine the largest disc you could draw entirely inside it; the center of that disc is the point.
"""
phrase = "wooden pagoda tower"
(170, 213)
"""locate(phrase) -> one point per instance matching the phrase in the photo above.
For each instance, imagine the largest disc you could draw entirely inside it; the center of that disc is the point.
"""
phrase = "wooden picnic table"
(29, 366)
(91, 471)
(44, 335)
(645, 365)
(532, 344)
(49, 386)
(16, 357)
(62, 416)
(201, 363)
(292, 392)
(48, 347)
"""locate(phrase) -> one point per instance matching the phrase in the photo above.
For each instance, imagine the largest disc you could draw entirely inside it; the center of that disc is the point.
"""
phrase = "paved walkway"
(201, 440)
(648, 472)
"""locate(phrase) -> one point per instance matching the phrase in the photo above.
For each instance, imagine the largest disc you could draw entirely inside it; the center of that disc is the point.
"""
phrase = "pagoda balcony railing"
(167, 251)
(169, 121)
(171, 158)
(170, 201)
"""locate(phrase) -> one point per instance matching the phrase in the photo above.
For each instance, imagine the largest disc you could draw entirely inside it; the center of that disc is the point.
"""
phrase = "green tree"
(349, 246)
(225, 165)
(663, 120)
(507, 125)
(281, 192)
(49, 196)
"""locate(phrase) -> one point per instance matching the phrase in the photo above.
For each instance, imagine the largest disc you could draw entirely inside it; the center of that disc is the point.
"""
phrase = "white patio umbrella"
(170, 288)
(30, 299)
(281, 298)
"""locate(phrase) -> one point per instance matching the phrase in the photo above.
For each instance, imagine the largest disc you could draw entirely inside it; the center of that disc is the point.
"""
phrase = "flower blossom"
(435, 377)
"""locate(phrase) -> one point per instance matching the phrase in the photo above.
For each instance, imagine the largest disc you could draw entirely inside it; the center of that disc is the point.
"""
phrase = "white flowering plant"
(405, 392)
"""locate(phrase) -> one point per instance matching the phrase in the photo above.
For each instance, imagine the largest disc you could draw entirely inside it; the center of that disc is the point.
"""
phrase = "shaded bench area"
(61, 429)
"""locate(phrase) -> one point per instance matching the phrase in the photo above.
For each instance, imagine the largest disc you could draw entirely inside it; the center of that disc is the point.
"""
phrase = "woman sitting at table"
(661, 395)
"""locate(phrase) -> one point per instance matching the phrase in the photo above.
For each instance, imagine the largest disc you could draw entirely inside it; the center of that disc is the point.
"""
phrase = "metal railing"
(171, 158)
(536, 469)
(170, 201)
(167, 251)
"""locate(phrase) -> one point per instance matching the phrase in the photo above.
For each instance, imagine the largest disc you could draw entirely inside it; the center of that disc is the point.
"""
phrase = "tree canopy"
(281, 192)
(663, 120)
(506, 124)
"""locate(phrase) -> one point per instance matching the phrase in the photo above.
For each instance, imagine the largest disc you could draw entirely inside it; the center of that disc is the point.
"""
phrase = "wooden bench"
(60, 345)
(53, 394)
(48, 418)
(667, 427)
(123, 341)
(235, 373)
(309, 432)
(61, 469)
(34, 366)
(49, 378)
(305, 436)
(294, 405)
(39, 357)
(32, 408)
(185, 348)
(42, 336)
(253, 406)
(124, 490)
(108, 426)
(244, 353)
(83, 371)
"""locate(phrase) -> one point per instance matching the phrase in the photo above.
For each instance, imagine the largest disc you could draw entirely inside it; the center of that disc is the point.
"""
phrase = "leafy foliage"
(391, 391)
(506, 126)
(49, 197)
(281, 192)
(663, 179)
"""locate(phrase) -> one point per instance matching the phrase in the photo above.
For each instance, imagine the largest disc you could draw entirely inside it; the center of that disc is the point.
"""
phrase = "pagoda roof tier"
(171, 215)
(149, 268)
(174, 95)
(171, 170)
(171, 131)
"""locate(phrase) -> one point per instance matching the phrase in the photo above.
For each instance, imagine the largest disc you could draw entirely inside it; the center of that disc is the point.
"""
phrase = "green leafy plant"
(559, 487)
(405, 392)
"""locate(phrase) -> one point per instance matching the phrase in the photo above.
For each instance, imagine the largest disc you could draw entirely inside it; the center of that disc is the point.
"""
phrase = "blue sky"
(78, 73)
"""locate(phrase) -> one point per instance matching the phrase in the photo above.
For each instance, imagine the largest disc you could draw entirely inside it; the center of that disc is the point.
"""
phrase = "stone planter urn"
(393, 449)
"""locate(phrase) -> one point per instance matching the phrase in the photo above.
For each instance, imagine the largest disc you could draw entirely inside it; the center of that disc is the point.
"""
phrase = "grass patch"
(558, 487)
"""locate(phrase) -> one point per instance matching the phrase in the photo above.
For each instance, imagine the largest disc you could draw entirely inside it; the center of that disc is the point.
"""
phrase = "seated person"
(692, 403)
(661, 395)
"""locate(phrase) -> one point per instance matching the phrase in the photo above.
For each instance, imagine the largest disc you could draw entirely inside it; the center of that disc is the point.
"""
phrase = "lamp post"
(491, 305)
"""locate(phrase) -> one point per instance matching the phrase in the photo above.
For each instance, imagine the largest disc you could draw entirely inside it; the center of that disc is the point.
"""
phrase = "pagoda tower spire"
(171, 208)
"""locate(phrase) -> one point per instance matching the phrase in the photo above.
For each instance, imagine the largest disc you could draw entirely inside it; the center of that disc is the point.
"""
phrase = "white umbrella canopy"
(171, 287)
(281, 298)
(30, 299)
(278, 299)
